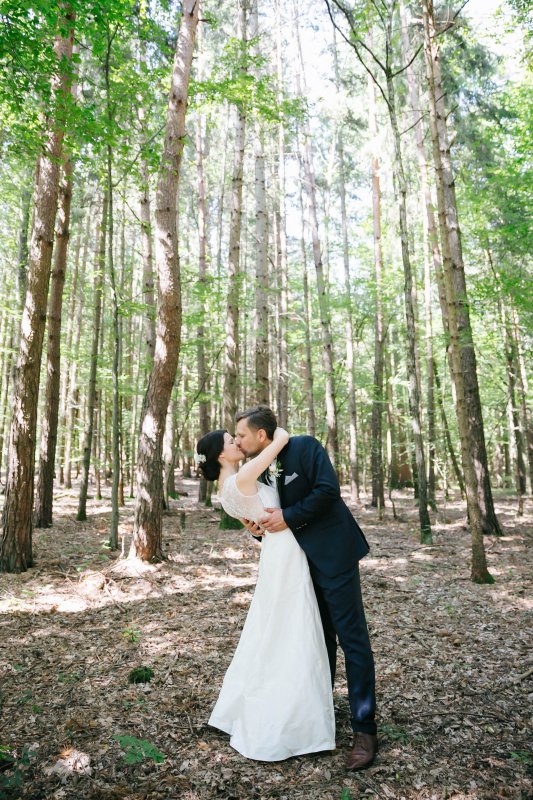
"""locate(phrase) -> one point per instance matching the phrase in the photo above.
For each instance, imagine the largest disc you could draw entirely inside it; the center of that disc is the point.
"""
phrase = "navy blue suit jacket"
(314, 510)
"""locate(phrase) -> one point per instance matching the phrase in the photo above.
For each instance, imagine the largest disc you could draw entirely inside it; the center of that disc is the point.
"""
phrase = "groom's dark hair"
(259, 417)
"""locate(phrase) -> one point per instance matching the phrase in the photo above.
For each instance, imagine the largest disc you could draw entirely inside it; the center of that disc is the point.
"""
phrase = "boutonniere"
(275, 470)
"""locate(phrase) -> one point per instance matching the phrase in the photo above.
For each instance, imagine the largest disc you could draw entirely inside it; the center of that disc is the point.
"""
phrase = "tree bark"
(322, 289)
(461, 345)
(515, 427)
(378, 399)
(430, 244)
(22, 256)
(6, 383)
(71, 315)
(148, 269)
(95, 346)
(350, 340)
(309, 380)
(45, 483)
(231, 369)
(409, 289)
(262, 385)
(281, 243)
(71, 406)
(147, 529)
(454, 268)
(447, 435)
(16, 542)
(203, 402)
(523, 391)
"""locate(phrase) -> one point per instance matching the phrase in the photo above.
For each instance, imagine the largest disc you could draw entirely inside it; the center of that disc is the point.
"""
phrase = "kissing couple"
(276, 699)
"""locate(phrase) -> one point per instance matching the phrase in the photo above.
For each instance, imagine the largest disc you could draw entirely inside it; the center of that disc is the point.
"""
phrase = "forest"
(319, 205)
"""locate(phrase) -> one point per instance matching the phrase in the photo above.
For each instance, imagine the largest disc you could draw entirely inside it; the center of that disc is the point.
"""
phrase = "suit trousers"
(343, 618)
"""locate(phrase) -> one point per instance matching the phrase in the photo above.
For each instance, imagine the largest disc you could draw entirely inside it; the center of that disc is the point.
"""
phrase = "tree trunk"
(6, 382)
(350, 342)
(148, 269)
(71, 410)
(430, 243)
(262, 387)
(523, 391)
(409, 290)
(461, 345)
(378, 399)
(45, 483)
(22, 256)
(447, 435)
(71, 315)
(515, 428)
(147, 529)
(454, 269)
(91, 395)
(169, 454)
(322, 289)
(234, 269)
(281, 244)
(309, 384)
(116, 423)
(16, 543)
(203, 402)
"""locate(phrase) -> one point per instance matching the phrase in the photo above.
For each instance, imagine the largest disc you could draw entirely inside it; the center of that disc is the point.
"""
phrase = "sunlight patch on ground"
(418, 556)
(385, 563)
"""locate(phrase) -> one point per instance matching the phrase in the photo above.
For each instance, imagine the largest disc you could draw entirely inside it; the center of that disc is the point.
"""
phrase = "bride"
(276, 698)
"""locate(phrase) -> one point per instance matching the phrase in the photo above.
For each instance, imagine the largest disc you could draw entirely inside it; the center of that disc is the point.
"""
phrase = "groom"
(311, 506)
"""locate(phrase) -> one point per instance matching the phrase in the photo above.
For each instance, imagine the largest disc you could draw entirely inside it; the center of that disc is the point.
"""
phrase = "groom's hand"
(273, 522)
(253, 527)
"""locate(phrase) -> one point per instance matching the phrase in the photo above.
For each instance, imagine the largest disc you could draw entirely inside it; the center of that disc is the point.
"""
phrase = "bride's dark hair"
(210, 447)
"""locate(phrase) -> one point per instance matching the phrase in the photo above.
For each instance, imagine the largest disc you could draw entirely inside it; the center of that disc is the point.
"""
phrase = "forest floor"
(452, 664)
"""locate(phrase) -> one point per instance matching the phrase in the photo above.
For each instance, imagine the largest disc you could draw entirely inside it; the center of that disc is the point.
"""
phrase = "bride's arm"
(249, 473)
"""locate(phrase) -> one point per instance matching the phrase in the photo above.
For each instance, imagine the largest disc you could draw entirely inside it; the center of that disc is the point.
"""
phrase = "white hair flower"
(199, 458)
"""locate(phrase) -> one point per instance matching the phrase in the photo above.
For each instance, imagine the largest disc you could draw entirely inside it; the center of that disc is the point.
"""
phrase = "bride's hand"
(280, 434)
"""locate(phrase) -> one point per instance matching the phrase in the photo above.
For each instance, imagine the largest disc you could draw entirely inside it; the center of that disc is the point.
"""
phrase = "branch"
(358, 54)
(406, 66)
(348, 14)
(415, 123)
(378, 12)
(451, 23)
(134, 161)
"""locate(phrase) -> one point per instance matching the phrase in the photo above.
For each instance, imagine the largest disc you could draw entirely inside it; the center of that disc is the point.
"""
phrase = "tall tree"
(350, 339)
(453, 265)
(462, 355)
(91, 408)
(16, 543)
(147, 529)
(281, 239)
(45, 484)
(203, 278)
(388, 92)
(231, 368)
(261, 239)
(378, 399)
(322, 287)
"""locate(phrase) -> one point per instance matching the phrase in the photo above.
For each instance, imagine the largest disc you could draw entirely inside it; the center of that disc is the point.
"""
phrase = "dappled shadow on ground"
(451, 659)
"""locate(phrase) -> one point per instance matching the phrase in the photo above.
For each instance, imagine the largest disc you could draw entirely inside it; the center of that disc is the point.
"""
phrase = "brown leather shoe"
(363, 751)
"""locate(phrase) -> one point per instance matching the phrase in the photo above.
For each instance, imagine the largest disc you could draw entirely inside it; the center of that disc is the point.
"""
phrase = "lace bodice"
(237, 504)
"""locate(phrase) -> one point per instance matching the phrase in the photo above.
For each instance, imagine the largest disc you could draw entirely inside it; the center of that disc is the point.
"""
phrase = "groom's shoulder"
(303, 441)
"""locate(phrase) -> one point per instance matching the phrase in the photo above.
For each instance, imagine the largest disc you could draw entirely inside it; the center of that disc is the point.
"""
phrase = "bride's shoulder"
(229, 484)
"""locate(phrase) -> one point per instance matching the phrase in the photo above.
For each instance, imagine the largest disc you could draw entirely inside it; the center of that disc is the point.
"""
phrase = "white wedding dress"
(276, 699)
